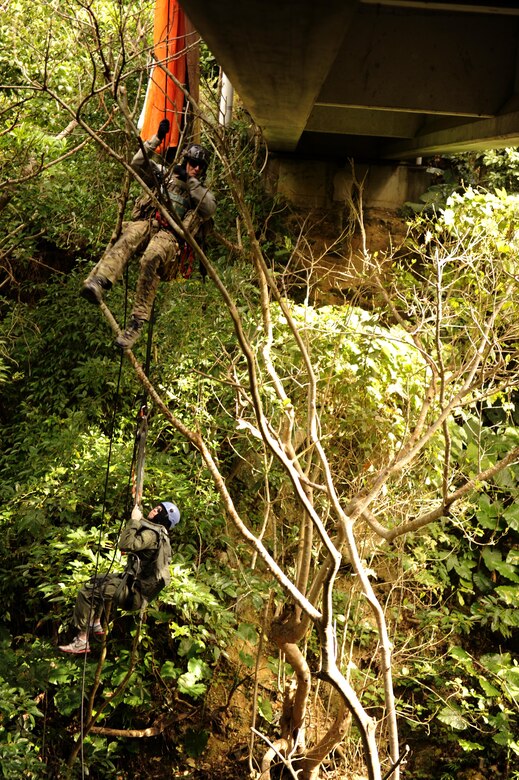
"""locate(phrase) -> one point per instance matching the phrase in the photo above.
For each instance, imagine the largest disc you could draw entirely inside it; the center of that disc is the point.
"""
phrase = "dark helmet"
(198, 155)
(169, 514)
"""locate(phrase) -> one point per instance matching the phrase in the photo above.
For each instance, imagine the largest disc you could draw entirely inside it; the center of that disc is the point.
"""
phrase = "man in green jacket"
(146, 543)
(183, 192)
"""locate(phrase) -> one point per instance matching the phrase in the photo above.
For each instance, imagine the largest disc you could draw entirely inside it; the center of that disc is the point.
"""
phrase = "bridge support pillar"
(317, 184)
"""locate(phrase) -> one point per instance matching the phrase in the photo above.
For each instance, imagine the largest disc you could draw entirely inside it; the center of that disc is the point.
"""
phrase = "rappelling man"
(147, 547)
(181, 189)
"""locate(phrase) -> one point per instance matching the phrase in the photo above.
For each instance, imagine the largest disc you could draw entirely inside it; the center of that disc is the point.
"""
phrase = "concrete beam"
(495, 133)
(277, 55)
(343, 78)
(359, 121)
(431, 63)
(504, 7)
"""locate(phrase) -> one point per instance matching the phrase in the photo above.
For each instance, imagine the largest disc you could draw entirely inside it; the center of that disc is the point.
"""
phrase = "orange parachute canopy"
(164, 99)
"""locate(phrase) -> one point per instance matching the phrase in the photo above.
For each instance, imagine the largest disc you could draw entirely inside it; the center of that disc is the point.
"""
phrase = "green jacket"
(190, 195)
(149, 554)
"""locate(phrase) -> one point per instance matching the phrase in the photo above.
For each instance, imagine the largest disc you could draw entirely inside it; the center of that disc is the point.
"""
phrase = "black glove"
(180, 171)
(163, 129)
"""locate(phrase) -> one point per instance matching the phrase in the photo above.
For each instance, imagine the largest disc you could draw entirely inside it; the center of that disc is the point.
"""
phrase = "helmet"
(169, 515)
(197, 154)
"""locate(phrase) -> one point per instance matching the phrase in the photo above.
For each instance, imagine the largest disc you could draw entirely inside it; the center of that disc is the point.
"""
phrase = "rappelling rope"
(137, 466)
(98, 554)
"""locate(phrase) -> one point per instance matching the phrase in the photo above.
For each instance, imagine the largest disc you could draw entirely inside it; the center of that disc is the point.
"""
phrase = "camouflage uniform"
(193, 204)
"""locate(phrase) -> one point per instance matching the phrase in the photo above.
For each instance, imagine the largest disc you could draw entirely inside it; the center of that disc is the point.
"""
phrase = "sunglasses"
(196, 163)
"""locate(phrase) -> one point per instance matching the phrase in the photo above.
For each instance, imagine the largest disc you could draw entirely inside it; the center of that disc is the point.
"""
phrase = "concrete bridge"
(393, 80)
(370, 79)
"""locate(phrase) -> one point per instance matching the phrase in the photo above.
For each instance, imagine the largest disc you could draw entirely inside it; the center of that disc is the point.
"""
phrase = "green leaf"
(488, 515)
(169, 671)
(198, 667)
(452, 718)
(468, 746)
(247, 659)
(68, 700)
(265, 709)
(460, 654)
(60, 675)
(488, 688)
(511, 515)
(513, 557)
(187, 683)
(492, 558)
(509, 594)
(248, 633)
(482, 582)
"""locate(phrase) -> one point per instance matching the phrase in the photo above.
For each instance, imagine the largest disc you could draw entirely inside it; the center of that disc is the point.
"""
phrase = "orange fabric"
(164, 100)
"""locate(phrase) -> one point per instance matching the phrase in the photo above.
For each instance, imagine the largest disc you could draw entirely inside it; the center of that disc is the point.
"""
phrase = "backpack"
(152, 574)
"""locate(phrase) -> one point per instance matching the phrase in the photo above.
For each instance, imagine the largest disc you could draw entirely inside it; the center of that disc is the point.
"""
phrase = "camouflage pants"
(159, 261)
(134, 236)
(93, 598)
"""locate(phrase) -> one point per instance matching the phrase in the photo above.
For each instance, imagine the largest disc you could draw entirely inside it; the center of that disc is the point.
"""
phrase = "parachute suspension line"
(166, 65)
(149, 343)
(93, 717)
(122, 200)
(125, 309)
(199, 346)
(195, 477)
(127, 507)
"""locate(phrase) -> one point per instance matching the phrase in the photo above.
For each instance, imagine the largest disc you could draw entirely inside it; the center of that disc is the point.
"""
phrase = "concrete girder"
(361, 121)
(504, 7)
(433, 63)
(473, 136)
(377, 78)
(277, 55)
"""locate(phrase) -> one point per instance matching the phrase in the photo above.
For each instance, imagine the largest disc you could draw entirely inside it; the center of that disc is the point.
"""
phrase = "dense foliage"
(205, 668)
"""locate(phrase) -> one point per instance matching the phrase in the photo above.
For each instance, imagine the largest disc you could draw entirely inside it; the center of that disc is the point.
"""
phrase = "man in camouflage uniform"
(129, 590)
(149, 233)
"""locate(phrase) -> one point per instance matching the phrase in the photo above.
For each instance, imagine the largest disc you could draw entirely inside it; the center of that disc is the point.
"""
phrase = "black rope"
(142, 421)
(101, 528)
(109, 459)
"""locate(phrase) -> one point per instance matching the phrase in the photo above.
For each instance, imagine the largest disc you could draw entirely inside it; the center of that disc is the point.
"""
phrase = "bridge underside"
(388, 80)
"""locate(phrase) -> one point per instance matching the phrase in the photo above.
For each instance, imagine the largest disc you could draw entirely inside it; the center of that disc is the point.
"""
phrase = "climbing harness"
(162, 223)
(187, 260)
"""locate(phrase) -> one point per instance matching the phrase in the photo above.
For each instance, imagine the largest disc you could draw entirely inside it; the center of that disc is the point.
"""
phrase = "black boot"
(127, 339)
(93, 289)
